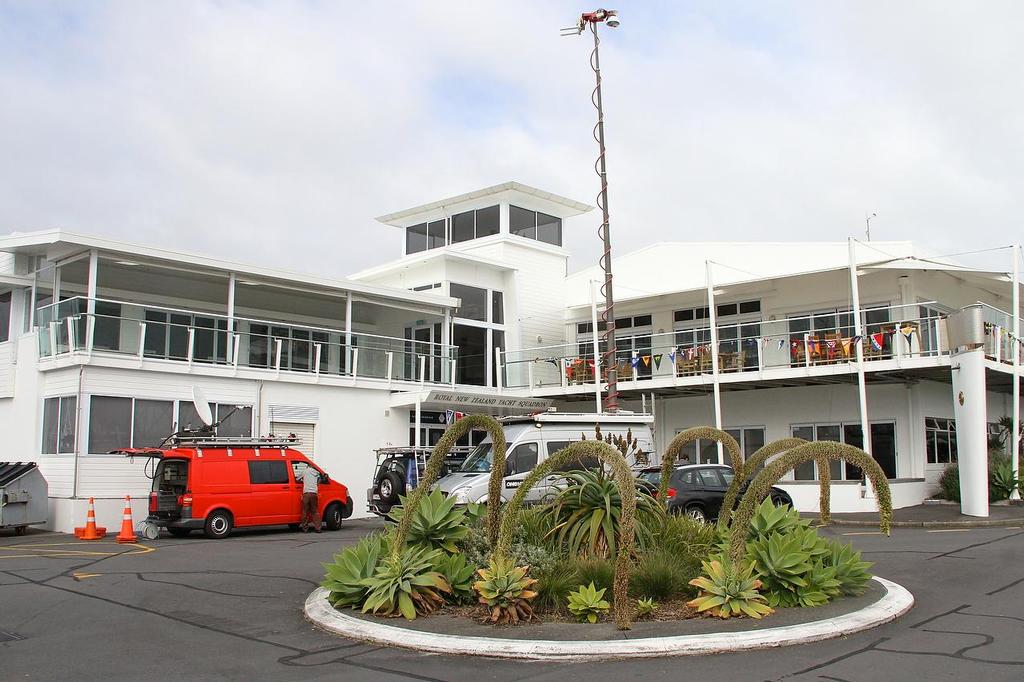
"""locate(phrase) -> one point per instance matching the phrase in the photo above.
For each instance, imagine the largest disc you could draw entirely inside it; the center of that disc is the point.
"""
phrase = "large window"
(167, 336)
(883, 448)
(152, 421)
(474, 301)
(472, 358)
(750, 439)
(60, 416)
(940, 440)
(298, 348)
(237, 423)
(5, 316)
(268, 471)
(116, 422)
(461, 227)
(535, 225)
(106, 334)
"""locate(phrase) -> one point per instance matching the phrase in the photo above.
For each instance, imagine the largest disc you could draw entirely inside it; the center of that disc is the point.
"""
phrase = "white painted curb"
(896, 601)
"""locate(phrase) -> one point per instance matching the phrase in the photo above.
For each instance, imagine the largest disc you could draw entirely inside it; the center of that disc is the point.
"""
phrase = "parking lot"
(231, 609)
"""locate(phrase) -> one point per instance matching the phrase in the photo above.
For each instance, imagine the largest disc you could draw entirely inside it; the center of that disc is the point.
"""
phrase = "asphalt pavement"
(231, 610)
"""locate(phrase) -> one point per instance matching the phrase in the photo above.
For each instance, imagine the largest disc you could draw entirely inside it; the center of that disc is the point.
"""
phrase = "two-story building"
(102, 341)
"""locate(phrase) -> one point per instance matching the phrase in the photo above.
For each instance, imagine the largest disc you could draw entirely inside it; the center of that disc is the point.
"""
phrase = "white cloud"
(274, 132)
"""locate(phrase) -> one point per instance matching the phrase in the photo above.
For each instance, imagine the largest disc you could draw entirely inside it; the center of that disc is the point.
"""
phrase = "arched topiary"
(753, 463)
(828, 450)
(627, 493)
(689, 436)
(436, 460)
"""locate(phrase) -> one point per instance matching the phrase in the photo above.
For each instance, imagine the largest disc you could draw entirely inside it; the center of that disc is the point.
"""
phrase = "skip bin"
(23, 495)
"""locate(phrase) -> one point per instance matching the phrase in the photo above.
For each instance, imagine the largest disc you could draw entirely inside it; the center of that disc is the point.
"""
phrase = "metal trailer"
(23, 496)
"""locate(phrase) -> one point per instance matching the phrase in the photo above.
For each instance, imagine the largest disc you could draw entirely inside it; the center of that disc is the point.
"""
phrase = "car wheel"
(391, 487)
(218, 525)
(332, 516)
(696, 513)
(20, 530)
(179, 532)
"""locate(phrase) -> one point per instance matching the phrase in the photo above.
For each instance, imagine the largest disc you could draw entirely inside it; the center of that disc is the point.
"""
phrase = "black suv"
(399, 470)
(700, 489)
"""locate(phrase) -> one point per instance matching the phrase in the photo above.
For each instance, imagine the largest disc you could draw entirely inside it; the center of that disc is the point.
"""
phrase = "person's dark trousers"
(310, 512)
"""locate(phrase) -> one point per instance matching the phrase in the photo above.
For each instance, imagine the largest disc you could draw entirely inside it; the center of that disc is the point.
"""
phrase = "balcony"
(117, 329)
(894, 337)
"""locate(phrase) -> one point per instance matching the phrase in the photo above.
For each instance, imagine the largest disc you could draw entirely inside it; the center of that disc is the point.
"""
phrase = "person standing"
(310, 502)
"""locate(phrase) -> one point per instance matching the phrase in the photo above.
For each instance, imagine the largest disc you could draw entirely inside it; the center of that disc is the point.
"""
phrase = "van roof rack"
(208, 441)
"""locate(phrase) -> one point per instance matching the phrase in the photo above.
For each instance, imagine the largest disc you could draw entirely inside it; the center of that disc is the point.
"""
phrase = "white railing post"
(897, 342)
(563, 369)
(90, 333)
(807, 350)
(454, 366)
(529, 376)
(277, 355)
(142, 340)
(237, 338)
(53, 339)
(391, 364)
(316, 360)
(998, 345)
(72, 340)
(355, 363)
(191, 343)
(761, 345)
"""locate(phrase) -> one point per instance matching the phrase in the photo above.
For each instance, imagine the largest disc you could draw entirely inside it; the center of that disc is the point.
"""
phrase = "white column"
(713, 317)
(230, 337)
(1015, 348)
(969, 406)
(858, 330)
(597, 348)
(90, 291)
(416, 436)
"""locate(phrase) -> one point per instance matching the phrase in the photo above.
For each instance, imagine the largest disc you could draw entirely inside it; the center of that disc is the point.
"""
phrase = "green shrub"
(478, 551)
(601, 572)
(1001, 481)
(587, 603)
(436, 523)
(851, 572)
(585, 514)
(406, 584)
(555, 584)
(534, 527)
(352, 566)
(685, 538)
(949, 482)
(658, 576)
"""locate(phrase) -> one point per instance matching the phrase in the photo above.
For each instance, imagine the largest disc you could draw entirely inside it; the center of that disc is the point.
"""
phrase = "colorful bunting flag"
(647, 360)
(782, 342)
(877, 340)
(672, 355)
(657, 361)
(634, 361)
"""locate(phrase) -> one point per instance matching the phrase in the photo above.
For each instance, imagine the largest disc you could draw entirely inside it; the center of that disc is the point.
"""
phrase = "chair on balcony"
(834, 349)
(687, 366)
(797, 352)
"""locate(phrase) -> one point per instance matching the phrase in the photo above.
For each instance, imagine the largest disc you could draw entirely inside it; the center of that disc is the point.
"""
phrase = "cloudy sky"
(274, 132)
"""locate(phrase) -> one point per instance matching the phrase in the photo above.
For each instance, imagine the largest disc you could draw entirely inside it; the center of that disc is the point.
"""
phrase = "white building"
(101, 342)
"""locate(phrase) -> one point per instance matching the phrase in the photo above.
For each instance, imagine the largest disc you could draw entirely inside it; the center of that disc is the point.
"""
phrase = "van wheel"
(179, 532)
(332, 516)
(391, 486)
(218, 525)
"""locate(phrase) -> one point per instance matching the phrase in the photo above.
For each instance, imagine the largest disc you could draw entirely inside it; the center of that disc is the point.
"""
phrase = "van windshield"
(479, 461)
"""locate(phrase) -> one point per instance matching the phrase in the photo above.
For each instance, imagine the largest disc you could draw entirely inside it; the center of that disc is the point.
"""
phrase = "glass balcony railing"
(1000, 343)
(200, 338)
(889, 333)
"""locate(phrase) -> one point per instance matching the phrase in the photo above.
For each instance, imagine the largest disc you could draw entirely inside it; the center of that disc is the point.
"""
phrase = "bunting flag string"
(634, 361)
(672, 355)
(647, 360)
(877, 340)
(782, 342)
(657, 361)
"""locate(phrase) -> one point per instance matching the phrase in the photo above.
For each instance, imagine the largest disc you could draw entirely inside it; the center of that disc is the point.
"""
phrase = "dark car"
(698, 490)
(399, 471)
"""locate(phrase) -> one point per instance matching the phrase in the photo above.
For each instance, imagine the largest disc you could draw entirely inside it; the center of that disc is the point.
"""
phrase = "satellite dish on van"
(202, 406)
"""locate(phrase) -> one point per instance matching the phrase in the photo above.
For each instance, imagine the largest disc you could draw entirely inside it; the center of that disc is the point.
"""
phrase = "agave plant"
(351, 567)
(506, 591)
(406, 584)
(851, 572)
(436, 523)
(794, 567)
(587, 603)
(458, 572)
(586, 514)
(645, 606)
(770, 519)
(728, 590)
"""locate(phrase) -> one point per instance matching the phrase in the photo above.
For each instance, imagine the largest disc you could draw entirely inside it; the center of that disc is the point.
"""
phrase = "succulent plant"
(406, 584)
(728, 589)
(645, 606)
(351, 567)
(770, 519)
(587, 603)
(436, 523)
(851, 571)
(506, 591)
(459, 574)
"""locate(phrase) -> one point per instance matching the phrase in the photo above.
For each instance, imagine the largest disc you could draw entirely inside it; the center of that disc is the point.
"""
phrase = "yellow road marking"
(83, 576)
(43, 549)
(949, 530)
(867, 532)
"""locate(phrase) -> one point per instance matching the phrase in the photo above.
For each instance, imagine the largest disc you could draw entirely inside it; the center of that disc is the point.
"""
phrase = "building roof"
(562, 207)
(61, 243)
(422, 257)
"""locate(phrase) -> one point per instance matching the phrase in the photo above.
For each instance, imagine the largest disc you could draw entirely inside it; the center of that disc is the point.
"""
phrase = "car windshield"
(652, 477)
(479, 461)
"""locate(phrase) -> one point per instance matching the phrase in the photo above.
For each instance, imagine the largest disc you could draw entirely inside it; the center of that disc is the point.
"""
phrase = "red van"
(217, 486)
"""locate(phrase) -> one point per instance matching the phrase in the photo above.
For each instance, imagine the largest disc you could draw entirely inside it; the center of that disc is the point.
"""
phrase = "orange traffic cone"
(91, 531)
(127, 534)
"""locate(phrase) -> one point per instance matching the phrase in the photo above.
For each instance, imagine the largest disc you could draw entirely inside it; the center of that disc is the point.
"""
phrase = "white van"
(532, 439)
